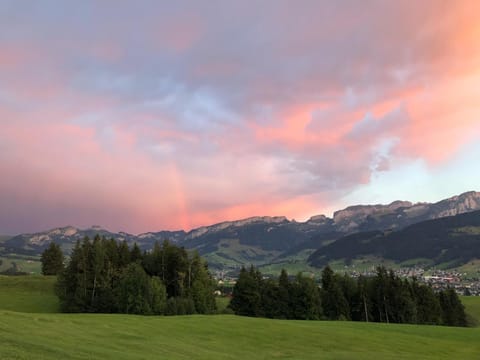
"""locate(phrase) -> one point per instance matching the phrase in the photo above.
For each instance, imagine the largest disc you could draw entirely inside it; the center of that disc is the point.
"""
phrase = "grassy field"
(28, 264)
(27, 331)
(30, 294)
(472, 307)
(59, 336)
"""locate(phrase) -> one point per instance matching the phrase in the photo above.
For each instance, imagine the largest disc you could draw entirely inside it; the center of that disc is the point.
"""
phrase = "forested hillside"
(454, 239)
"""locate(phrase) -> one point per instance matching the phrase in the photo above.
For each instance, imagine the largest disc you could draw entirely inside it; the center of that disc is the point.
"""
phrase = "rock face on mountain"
(351, 218)
(262, 240)
(402, 213)
(234, 224)
(455, 205)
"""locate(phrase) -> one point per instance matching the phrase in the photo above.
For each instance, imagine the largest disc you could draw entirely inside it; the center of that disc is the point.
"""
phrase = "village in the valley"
(463, 284)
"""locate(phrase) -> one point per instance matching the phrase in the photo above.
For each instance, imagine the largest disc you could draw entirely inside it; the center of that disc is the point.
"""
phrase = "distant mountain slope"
(453, 239)
(68, 236)
(263, 240)
(5, 238)
(400, 214)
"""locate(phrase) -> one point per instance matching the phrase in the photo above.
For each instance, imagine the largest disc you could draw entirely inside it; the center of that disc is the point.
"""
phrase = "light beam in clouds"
(165, 116)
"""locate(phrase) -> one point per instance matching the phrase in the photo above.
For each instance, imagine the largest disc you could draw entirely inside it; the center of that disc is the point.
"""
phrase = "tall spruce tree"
(247, 299)
(335, 305)
(427, 304)
(52, 260)
(201, 286)
(283, 297)
(306, 303)
(453, 311)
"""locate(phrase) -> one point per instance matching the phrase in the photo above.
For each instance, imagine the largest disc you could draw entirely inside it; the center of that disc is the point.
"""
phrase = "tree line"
(106, 276)
(384, 297)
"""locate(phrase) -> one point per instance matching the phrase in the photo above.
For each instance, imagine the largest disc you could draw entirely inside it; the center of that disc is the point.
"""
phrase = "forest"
(382, 298)
(106, 276)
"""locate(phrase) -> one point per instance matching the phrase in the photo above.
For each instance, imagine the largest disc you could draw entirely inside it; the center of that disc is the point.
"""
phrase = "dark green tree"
(379, 295)
(334, 303)
(52, 260)
(305, 299)
(270, 300)
(247, 299)
(174, 268)
(283, 297)
(453, 311)
(135, 254)
(427, 304)
(362, 303)
(123, 254)
(201, 286)
(133, 291)
(158, 296)
(69, 287)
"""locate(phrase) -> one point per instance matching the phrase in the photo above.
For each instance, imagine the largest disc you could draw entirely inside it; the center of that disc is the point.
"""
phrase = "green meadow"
(27, 264)
(30, 328)
(472, 306)
(29, 294)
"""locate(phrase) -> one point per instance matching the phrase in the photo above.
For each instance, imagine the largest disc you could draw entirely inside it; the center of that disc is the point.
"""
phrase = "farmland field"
(27, 329)
(28, 264)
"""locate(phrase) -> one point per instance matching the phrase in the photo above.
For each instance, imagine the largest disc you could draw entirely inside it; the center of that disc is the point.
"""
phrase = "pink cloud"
(181, 117)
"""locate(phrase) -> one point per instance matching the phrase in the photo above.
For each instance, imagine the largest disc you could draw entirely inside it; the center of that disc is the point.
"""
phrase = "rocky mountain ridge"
(261, 240)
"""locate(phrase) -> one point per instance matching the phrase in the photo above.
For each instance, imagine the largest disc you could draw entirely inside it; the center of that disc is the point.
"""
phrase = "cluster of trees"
(283, 299)
(109, 277)
(382, 298)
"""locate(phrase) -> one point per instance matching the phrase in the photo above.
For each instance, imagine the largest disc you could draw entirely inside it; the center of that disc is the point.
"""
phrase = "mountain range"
(267, 240)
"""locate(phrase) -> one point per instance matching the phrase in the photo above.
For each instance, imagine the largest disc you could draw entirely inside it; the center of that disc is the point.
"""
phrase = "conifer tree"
(135, 254)
(133, 291)
(52, 260)
(246, 294)
(202, 286)
(335, 306)
(283, 297)
(453, 311)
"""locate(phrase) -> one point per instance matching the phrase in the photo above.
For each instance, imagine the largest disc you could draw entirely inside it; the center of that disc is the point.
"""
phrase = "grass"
(472, 307)
(292, 268)
(471, 269)
(30, 294)
(26, 264)
(59, 336)
(422, 262)
(232, 254)
(222, 303)
(41, 335)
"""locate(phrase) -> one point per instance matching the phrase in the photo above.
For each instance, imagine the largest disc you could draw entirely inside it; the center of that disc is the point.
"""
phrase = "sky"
(147, 115)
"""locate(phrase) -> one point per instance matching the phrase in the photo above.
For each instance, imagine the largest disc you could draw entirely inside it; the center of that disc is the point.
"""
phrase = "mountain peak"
(357, 213)
(236, 223)
(318, 219)
(458, 204)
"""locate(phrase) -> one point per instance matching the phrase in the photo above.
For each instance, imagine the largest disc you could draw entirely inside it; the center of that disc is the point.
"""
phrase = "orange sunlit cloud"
(162, 116)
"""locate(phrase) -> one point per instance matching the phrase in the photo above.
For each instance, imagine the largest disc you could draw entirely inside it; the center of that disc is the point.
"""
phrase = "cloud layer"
(145, 117)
